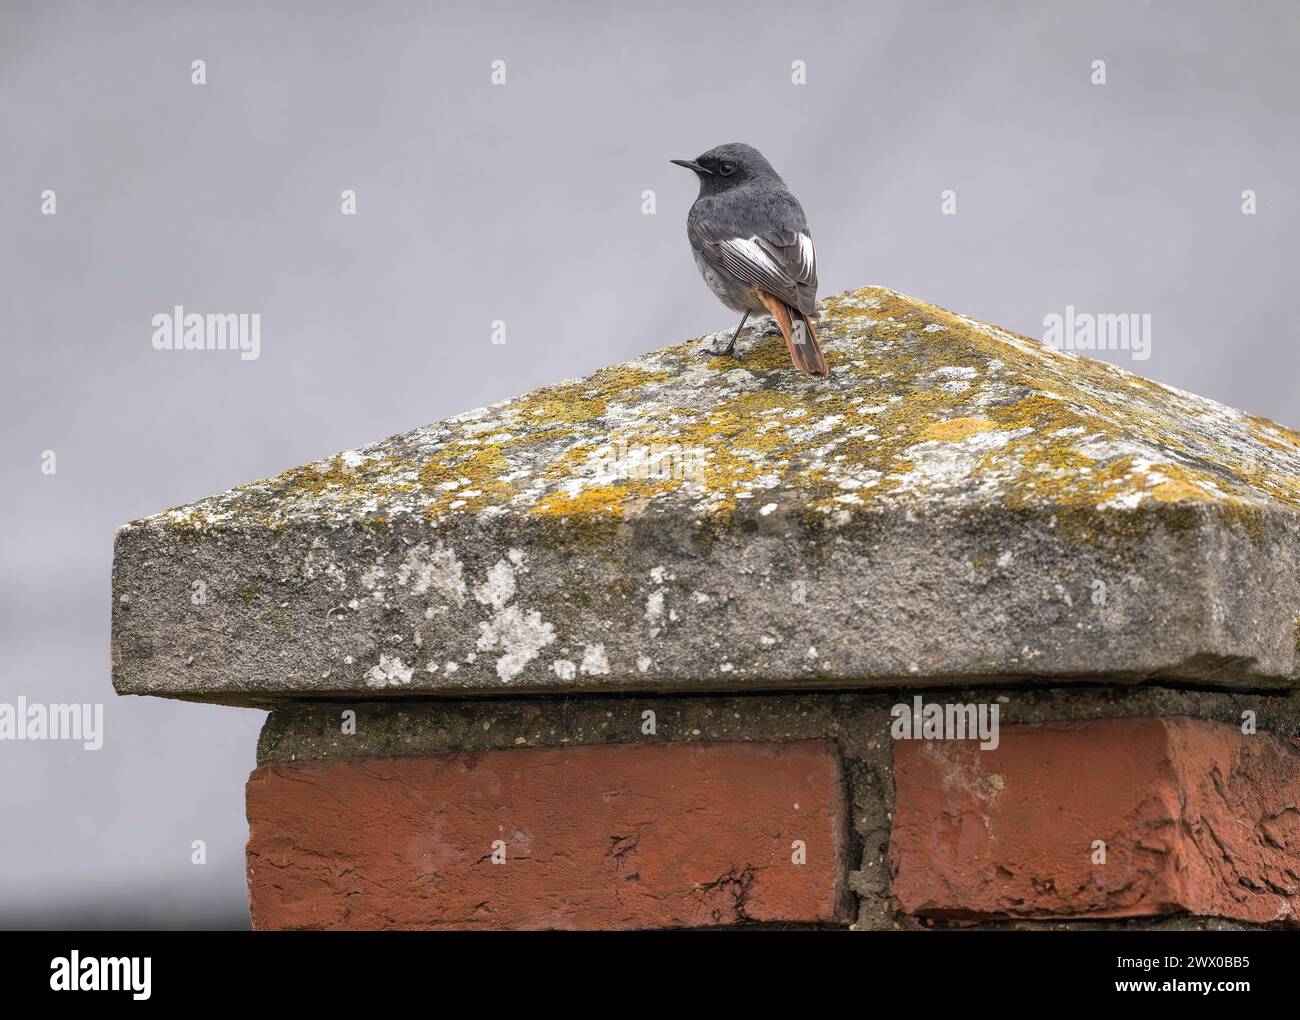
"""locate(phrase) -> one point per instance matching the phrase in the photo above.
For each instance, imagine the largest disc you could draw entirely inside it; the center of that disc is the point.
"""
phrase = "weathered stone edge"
(1188, 593)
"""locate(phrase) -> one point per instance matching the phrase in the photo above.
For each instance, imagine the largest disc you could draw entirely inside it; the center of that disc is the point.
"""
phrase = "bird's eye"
(726, 169)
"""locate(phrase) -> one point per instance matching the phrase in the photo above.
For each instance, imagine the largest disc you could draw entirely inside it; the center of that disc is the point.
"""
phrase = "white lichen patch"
(520, 635)
(434, 569)
(943, 465)
(654, 606)
(594, 662)
(391, 672)
(517, 634)
(499, 588)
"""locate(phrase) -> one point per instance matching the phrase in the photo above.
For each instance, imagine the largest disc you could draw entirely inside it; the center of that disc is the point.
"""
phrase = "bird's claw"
(714, 351)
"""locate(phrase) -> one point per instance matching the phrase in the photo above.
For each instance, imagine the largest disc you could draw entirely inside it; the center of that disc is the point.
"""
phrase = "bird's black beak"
(690, 164)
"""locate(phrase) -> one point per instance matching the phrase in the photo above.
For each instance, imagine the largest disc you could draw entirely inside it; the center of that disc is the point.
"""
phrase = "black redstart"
(753, 247)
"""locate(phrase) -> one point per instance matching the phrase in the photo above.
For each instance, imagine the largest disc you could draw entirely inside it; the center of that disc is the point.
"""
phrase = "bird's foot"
(726, 350)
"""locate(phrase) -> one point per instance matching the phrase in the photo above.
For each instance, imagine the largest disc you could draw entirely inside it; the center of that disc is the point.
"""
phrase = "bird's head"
(727, 166)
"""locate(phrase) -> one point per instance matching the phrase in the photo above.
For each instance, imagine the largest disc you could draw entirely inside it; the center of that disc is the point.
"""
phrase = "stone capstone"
(956, 503)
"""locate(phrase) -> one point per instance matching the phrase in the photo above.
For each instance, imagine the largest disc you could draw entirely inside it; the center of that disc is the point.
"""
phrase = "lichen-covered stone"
(955, 502)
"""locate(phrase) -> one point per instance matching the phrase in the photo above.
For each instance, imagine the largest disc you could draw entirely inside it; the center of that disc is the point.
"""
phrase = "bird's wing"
(781, 262)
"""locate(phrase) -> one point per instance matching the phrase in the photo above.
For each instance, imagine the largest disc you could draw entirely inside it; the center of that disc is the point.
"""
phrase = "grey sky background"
(523, 203)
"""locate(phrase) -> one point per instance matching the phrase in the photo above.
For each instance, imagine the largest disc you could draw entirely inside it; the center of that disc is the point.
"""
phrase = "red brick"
(1196, 817)
(615, 836)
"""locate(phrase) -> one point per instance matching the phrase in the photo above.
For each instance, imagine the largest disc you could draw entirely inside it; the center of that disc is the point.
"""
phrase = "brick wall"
(794, 810)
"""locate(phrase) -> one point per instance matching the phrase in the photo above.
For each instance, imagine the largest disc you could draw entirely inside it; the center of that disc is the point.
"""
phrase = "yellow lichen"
(462, 462)
(955, 429)
(597, 501)
(316, 480)
(910, 381)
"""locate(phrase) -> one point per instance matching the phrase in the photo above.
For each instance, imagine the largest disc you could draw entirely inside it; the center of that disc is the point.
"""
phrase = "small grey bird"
(753, 247)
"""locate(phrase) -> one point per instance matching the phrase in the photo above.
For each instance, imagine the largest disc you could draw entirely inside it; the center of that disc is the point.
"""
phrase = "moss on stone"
(924, 408)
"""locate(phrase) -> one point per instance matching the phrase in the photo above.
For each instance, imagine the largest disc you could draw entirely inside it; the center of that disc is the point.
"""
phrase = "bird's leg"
(731, 345)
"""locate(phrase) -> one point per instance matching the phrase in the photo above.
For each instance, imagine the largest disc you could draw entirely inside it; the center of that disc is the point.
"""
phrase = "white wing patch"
(757, 260)
(750, 251)
(807, 257)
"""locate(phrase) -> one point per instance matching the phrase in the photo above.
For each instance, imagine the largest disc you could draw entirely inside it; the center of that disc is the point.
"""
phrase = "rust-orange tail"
(800, 336)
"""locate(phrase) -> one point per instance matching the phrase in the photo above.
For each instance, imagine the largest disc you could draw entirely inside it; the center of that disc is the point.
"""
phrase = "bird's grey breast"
(735, 294)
